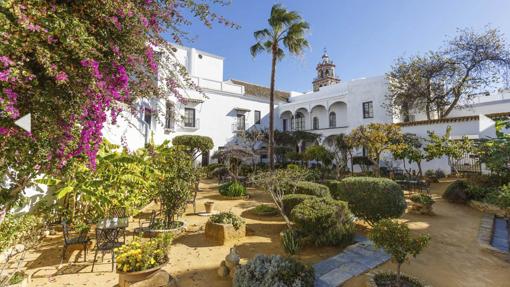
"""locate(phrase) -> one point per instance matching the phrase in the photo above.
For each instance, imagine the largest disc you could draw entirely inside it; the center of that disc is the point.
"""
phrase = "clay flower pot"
(209, 206)
(128, 278)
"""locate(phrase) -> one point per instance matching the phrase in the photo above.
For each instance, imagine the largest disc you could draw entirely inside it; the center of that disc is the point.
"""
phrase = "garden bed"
(387, 279)
(223, 233)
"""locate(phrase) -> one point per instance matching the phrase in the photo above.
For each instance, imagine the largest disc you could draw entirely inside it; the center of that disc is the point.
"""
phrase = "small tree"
(396, 239)
(195, 145)
(233, 157)
(252, 138)
(278, 183)
(411, 151)
(341, 146)
(377, 138)
(439, 146)
(321, 155)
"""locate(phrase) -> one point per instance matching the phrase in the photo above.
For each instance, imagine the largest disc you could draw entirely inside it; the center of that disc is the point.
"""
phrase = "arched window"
(300, 121)
(332, 120)
(315, 123)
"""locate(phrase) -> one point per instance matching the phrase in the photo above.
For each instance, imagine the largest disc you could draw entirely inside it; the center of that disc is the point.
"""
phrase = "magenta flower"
(4, 75)
(61, 77)
(116, 22)
(6, 61)
(144, 21)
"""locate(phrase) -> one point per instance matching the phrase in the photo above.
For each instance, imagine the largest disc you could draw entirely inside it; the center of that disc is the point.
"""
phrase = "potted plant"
(421, 203)
(139, 259)
(396, 239)
(225, 226)
(209, 206)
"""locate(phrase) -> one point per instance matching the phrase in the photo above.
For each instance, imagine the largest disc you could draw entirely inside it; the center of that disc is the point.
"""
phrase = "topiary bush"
(233, 189)
(291, 200)
(371, 198)
(423, 199)
(274, 270)
(323, 221)
(311, 188)
(457, 192)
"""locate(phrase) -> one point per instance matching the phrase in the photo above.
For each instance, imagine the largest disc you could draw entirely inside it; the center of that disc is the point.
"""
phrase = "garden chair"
(81, 239)
(119, 212)
(148, 225)
(106, 240)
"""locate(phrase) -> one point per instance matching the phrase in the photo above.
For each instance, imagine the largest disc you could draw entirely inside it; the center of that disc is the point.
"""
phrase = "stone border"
(489, 208)
(235, 197)
(411, 279)
(485, 236)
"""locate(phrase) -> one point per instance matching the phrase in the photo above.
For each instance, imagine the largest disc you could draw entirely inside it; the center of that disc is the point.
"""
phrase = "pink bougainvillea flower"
(144, 21)
(116, 22)
(6, 61)
(61, 77)
(4, 75)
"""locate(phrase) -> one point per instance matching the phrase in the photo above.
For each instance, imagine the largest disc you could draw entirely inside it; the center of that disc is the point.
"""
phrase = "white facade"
(218, 111)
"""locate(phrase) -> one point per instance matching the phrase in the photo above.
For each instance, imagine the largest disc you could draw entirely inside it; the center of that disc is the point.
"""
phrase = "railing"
(192, 126)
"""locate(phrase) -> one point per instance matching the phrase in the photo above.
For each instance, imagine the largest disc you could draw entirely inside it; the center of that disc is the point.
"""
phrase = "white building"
(334, 107)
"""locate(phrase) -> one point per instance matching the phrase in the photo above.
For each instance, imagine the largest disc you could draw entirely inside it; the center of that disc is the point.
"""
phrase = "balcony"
(191, 125)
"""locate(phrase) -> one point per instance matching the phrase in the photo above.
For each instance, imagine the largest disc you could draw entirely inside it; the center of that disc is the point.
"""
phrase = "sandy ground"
(452, 259)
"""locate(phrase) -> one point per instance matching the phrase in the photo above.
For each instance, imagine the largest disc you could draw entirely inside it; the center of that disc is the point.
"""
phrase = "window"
(368, 110)
(315, 123)
(189, 117)
(284, 124)
(332, 120)
(147, 116)
(169, 116)
(257, 117)
(300, 122)
(240, 124)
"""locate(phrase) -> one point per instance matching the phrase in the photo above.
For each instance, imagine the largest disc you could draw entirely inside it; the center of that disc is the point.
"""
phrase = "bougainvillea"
(75, 65)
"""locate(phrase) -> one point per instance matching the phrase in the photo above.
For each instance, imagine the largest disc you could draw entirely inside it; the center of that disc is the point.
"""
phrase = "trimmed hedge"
(274, 270)
(323, 221)
(370, 198)
(457, 192)
(291, 200)
(311, 188)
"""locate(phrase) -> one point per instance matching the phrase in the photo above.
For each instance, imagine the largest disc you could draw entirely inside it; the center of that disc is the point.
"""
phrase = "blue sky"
(363, 37)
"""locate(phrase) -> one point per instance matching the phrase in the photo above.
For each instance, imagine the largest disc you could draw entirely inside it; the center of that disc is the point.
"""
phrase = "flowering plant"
(139, 256)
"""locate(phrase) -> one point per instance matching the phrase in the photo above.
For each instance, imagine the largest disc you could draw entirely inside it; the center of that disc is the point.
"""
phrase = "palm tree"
(286, 29)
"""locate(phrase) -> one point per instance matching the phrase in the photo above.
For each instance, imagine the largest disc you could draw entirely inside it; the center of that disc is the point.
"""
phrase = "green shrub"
(501, 198)
(457, 192)
(439, 173)
(209, 169)
(311, 188)
(291, 200)
(290, 241)
(227, 218)
(274, 270)
(293, 166)
(371, 198)
(476, 192)
(265, 209)
(233, 189)
(323, 221)
(19, 229)
(424, 199)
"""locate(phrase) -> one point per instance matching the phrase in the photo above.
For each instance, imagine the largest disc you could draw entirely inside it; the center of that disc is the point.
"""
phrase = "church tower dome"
(325, 73)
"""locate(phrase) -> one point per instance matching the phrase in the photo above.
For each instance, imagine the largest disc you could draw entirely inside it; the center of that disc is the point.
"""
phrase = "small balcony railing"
(191, 125)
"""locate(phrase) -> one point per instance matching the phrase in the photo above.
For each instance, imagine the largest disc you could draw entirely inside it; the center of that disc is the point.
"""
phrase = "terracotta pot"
(128, 278)
(209, 206)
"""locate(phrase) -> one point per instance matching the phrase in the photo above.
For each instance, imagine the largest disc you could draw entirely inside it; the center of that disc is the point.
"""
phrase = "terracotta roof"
(256, 90)
(453, 119)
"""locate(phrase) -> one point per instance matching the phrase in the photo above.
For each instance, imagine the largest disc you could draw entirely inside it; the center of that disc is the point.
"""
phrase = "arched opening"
(332, 120)
(315, 123)
(299, 121)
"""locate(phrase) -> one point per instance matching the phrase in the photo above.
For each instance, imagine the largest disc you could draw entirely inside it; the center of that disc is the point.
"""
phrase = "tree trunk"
(270, 146)
(419, 168)
(398, 275)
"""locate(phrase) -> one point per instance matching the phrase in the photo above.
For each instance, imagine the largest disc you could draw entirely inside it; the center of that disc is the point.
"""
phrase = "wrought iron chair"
(142, 228)
(106, 240)
(119, 212)
(81, 239)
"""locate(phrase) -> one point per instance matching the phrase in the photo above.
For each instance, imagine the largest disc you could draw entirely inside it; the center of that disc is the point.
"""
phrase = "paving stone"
(325, 266)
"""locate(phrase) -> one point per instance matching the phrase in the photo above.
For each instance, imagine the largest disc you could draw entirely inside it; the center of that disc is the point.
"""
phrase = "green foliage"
(138, 256)
(274, 270)
(377, 138)
(195, 145)
(292, 200)
(227, 218)
(342, 147)
(496, 156)
(311, 188)
(477, 192)
(323, 221)
(318, 153)
(411, 150)
(502, 198)
(371, 199)
(423, 199)
(19, 229)
(290, 241)
(233, 189)
(17, 277)
(396, 239)
(265, 209)
(439, 146)
(457, 192)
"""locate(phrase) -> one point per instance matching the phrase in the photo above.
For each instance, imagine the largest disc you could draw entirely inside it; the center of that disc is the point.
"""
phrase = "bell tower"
(325, 73)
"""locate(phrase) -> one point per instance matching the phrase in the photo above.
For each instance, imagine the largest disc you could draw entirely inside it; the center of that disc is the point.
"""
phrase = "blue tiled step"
(500, 236)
